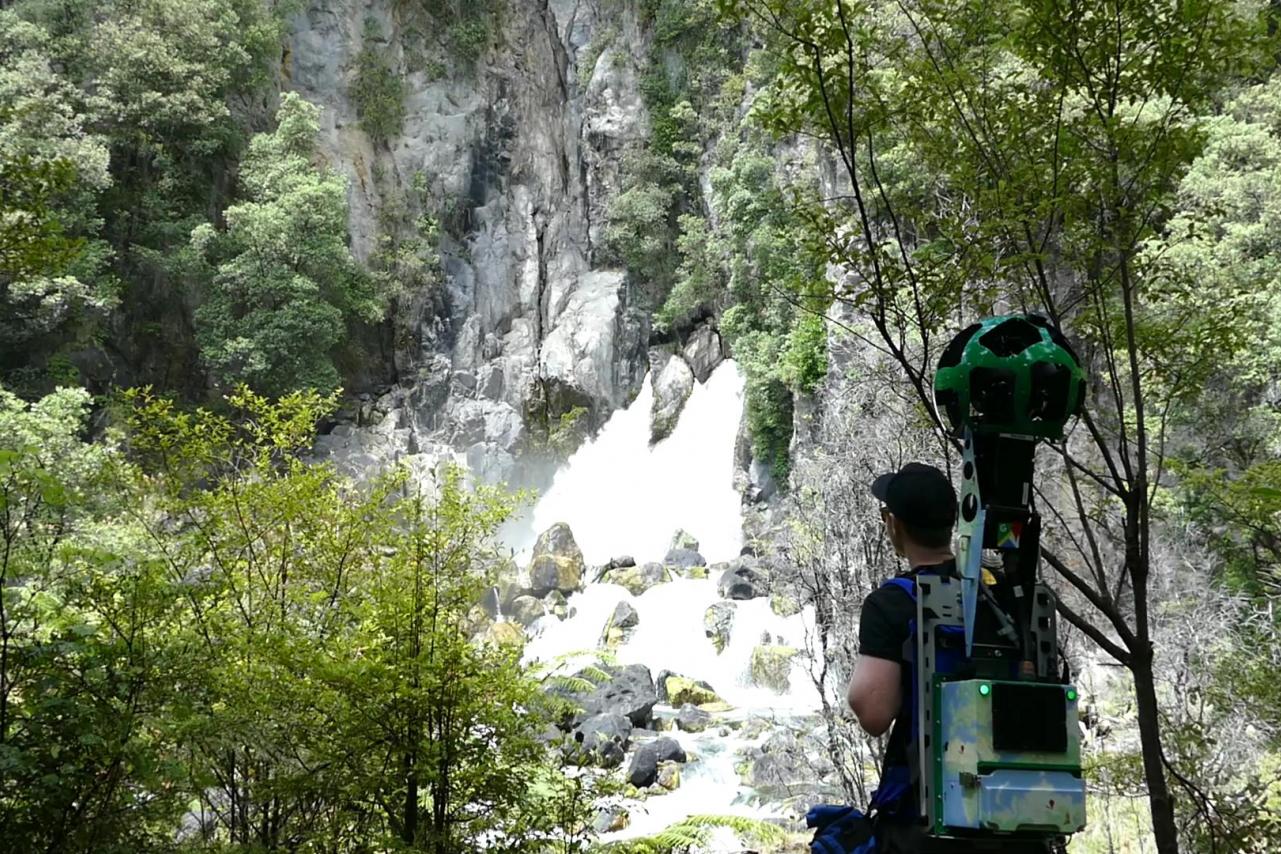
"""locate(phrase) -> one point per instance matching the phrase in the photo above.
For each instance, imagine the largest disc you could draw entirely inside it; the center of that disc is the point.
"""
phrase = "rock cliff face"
(526, 144)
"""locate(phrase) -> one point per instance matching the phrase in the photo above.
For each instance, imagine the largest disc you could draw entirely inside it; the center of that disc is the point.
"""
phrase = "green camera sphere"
(1013, 375)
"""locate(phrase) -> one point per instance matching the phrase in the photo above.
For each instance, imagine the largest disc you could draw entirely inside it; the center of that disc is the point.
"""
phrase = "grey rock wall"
(528, 146)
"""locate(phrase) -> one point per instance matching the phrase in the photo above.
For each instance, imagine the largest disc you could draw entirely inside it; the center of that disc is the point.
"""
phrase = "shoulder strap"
(907, 585)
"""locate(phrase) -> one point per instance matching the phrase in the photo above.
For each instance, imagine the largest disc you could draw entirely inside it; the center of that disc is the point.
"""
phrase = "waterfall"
(621, 496)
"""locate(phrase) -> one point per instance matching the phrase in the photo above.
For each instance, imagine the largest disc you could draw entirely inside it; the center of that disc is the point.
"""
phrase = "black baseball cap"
(919, 495)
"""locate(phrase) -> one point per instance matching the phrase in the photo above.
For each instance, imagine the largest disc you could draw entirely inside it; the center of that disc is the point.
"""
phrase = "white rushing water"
(620, 496)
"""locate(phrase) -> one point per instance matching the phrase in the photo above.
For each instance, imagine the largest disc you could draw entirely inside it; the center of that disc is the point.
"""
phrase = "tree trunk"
(1162, 804)
(409, 833)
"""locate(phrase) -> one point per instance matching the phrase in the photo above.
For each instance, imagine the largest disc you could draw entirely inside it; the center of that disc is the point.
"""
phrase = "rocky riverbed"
(687, 676)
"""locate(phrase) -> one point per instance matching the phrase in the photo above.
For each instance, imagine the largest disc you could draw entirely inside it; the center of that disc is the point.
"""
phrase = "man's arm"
(875, 693)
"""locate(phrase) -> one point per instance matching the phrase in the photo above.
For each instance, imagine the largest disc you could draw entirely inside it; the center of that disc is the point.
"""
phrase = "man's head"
(919, 507)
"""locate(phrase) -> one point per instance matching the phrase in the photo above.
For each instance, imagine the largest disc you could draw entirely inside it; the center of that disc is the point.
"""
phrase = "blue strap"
(907, 585)
(834, 825)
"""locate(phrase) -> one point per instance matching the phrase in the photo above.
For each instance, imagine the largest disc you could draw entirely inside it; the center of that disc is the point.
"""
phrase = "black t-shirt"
(883, 628)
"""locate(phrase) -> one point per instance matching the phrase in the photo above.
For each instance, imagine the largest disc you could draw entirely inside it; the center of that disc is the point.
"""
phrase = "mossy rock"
(771, 666)
(696, 572)
(681, 690)
(784, 606)
(669, 775)
(505, 634)
(638, 579)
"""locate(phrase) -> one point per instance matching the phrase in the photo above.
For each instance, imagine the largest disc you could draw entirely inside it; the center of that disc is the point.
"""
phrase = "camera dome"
(1014, 375)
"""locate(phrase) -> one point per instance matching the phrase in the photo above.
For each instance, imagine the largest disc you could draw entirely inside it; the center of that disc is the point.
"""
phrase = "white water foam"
(621, 496)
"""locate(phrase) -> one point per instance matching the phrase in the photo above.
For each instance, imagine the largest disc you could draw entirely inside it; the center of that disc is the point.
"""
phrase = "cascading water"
(620, 496)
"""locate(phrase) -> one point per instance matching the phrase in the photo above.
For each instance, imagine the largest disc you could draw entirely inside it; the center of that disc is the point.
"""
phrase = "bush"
(379, 95)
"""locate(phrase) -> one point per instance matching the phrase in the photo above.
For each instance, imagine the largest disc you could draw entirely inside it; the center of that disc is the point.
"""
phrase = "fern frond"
(694, 830)
(573, 684)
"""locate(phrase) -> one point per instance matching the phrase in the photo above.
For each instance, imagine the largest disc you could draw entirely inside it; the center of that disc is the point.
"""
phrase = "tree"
(435, 728)
(285, 283)
(52, 281)
(345, 696)
(91, 680)
(1053, 136)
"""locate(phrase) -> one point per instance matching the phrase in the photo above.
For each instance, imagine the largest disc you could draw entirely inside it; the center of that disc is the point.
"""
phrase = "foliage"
(1027, 154)
(285, 284)
(200, 629)
(134, 95)
(378, 92)
(91, 686)
(694, 831)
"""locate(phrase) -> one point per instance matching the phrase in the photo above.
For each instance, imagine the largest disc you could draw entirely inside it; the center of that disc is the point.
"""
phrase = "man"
(918, 506)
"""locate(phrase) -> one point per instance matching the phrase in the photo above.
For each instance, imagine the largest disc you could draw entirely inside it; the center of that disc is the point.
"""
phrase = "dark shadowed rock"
(643, 770)
(490, 603)
(603, 729)
(684, 558)
(624, 616)
(746, 578)
(629, 692)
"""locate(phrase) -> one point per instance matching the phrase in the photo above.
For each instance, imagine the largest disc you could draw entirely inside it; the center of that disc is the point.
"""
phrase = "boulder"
(618, 625)
(611, 819)
(684, 558)
(717, 622)
(624, 616)
(526, 609)
(629, 692)
(643, 770)
(672, 387)
(557, 563)
(703, 352)
(771, 666)
(746, 578)
(556, 603)
(669, 776)
(600, 731)
(683, 539)
(638, 579)
(505, 633)
(620, 562)
(681, 690)
(691, 718)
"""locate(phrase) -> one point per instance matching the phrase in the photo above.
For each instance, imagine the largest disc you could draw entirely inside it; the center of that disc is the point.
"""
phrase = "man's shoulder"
(891, 593)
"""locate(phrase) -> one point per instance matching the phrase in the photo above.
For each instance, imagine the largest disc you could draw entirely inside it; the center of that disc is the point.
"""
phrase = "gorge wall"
(524, 145)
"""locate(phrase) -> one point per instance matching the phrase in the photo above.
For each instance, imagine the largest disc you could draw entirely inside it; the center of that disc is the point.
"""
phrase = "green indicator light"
(985, 689)
(1071, 694)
